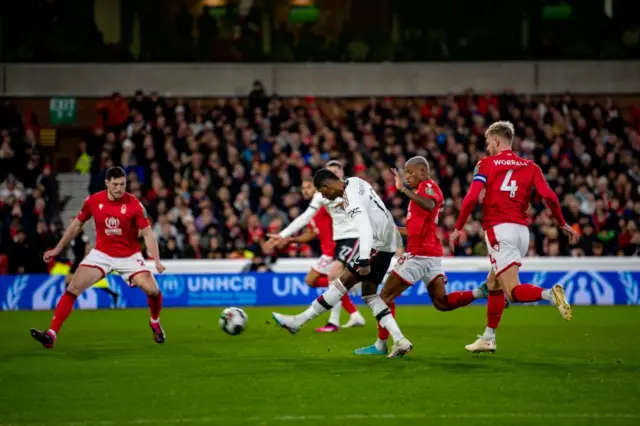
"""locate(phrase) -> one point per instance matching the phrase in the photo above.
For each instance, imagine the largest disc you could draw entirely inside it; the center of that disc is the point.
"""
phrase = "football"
(233, 321)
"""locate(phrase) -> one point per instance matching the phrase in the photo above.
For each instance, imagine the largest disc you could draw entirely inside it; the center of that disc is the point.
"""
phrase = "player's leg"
(355, 318)
(85, 276)
(380, 347)
(337, 289)
(134, 271)
(378, 303)
(447, 302)
(144, 280)
(404, 273)
(317, 277)
(527, 293)
(486, 342)
(436, 280)
(507, 267)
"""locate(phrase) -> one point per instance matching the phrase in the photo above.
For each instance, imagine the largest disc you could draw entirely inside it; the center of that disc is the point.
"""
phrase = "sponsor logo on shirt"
(113, 226)
(353, 213)
(429, 190)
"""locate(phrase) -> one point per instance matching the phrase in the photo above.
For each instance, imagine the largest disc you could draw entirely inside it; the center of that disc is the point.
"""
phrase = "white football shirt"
(375, 225)
(343, 227)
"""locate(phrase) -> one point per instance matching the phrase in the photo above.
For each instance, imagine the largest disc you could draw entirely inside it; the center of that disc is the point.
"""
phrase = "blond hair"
(501, 129)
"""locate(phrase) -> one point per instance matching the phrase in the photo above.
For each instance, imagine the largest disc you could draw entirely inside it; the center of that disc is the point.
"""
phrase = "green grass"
(106, 370)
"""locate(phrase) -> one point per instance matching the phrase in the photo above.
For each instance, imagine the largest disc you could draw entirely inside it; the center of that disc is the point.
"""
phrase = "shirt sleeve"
(481, 172)
(302, 220)
(356, 211)
(85, 212)
(550, 197)
(141, 219)
(469, 202)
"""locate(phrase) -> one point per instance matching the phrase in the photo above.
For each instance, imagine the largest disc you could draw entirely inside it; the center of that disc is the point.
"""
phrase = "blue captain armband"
(480, 178)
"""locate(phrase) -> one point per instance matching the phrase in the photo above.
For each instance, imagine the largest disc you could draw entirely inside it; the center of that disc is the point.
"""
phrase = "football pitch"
(106, 370)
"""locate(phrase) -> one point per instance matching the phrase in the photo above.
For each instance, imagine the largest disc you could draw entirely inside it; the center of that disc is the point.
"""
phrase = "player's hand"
(453, 238)
(273, 241)
(50, 254)
(364, 270)
(399, 180)
(159, 267)
(283, 242)
(571, 233)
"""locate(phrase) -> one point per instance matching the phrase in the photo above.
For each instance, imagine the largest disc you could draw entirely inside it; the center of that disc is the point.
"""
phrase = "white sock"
(155, 321)
(381, 345)
(377, 305)
(330, 297)
(477, 294)
(334, 317)
(489, 334)
(546, 295)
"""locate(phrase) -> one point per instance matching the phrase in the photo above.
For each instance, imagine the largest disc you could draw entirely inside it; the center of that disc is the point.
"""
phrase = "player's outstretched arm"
(296, 225)
(299, 222)
(468, 204)
(424, 203)
(551, 201)
(69, 235)
(307, 236)
(151, 243)
(402, 230)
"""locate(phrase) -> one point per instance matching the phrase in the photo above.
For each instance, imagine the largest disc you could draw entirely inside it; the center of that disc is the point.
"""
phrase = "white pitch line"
(309, 418)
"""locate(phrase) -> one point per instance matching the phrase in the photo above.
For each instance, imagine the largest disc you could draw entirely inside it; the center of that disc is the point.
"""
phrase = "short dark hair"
(323, 176)
(115, 173)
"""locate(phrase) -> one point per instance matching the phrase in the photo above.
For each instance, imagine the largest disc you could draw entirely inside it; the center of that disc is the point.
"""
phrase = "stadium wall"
(322, 79)
(587, 281)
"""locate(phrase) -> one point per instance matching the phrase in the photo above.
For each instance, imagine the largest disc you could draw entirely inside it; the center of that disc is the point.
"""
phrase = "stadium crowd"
(217, 178)
(28, 197)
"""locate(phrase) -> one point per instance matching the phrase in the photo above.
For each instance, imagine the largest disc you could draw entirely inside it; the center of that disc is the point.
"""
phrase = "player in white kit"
(345, 236)
(369, 261)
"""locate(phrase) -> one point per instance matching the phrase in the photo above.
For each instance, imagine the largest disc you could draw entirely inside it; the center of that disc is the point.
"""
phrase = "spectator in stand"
(115, 112)
(216, 178)
(28, 198)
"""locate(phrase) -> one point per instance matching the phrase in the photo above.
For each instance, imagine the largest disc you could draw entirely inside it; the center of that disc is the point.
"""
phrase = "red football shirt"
(508, 180)
(422, 236)
(117, 223)
(322, 225)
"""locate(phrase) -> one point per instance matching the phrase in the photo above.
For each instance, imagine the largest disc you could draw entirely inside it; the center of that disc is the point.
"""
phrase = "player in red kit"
(422, 259)
(119, 217)
(321, 227)
(508, 181)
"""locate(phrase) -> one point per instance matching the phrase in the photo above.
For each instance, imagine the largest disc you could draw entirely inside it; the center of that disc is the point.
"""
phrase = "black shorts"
(379, 263)
(74, 266)
(343, 249)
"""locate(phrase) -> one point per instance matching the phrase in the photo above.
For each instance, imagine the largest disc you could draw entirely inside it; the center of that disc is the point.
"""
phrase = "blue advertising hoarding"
(41, 292)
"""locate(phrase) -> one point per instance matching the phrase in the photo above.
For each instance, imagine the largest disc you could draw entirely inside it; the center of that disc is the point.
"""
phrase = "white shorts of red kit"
(508, 244)
(127, 267)
(411, 269)
(323, 265)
